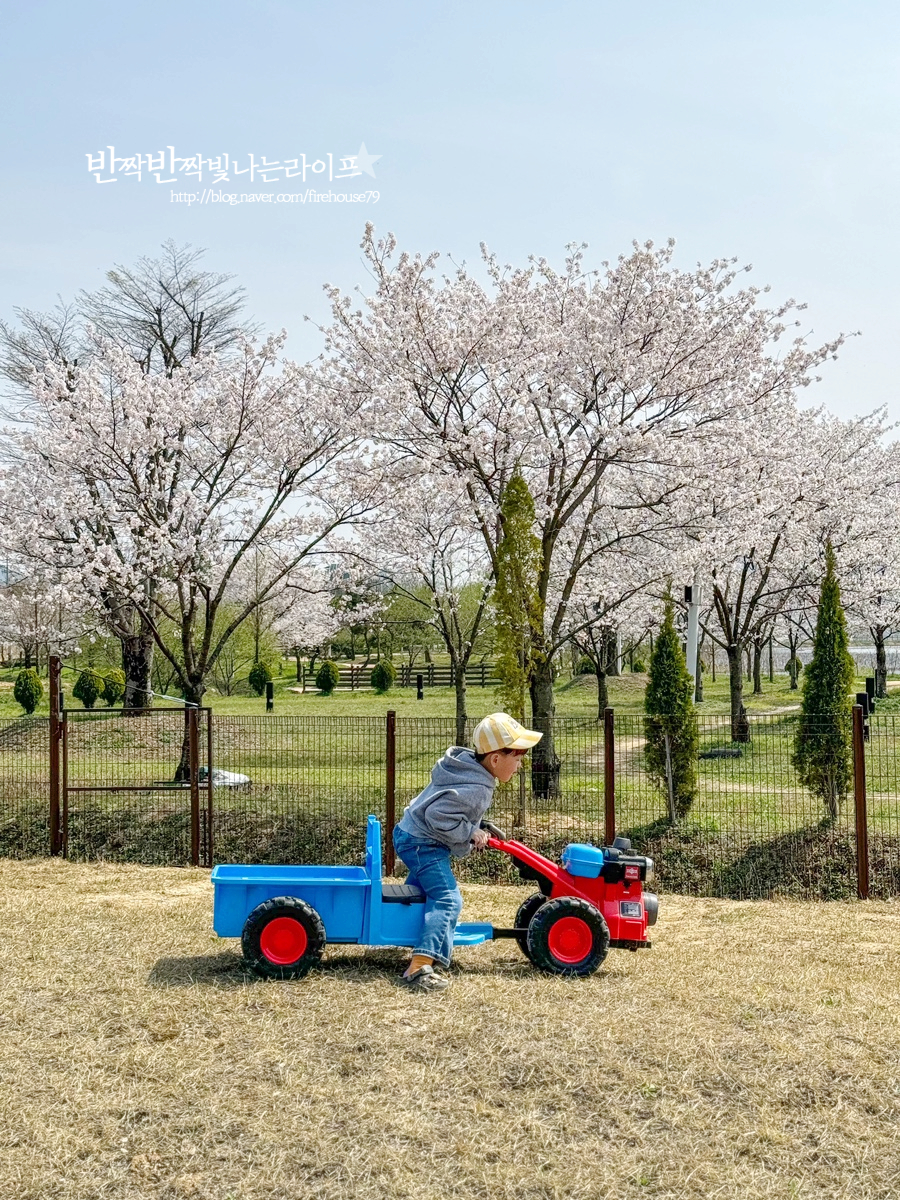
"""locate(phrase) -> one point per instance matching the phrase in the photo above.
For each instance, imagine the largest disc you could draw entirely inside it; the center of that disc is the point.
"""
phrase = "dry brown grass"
(752, 1053)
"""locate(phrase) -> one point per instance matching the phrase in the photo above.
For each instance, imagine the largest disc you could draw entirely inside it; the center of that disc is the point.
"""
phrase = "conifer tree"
(670, 725)
(517, 605)
(823, 744)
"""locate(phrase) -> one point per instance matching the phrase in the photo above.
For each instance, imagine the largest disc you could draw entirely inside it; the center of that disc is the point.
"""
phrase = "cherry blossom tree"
(163, 312)
(762, 518)
(865, 548)
(38, 614)
(429, 547)
(314, 610)
(605, 390)
(158, 489)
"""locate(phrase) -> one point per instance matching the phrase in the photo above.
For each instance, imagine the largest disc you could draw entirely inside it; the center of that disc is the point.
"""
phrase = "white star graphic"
(365, 160)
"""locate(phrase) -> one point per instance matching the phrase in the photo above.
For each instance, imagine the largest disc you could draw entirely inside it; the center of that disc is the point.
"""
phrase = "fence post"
(609, 775)
(209, 787)
(859, 795)
(194, 776)
(390, 814)
(55, 739)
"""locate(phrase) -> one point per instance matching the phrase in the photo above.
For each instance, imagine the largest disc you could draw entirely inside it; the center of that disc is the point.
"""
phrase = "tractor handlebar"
(494, 831)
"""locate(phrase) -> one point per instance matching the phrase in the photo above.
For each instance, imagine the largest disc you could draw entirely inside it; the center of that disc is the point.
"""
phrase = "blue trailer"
(590, 902)
(284, 915)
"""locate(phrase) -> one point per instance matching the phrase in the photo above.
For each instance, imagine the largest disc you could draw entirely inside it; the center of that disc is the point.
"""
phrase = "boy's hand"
(480, 838)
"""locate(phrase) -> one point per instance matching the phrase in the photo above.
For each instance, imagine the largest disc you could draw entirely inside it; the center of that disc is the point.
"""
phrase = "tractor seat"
(401, 893)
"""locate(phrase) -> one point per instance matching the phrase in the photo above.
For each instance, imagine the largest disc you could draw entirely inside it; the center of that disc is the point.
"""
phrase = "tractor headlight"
(651, 871)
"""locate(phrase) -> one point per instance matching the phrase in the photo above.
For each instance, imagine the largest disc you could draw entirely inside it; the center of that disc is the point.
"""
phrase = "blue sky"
(764, 131)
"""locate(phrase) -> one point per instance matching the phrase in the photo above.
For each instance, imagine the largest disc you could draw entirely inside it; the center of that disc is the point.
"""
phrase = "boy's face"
(503, 764)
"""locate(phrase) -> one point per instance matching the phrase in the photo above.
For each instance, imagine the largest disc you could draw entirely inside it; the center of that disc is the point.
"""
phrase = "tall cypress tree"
(823, 744)
(516, 601)
(670, 725)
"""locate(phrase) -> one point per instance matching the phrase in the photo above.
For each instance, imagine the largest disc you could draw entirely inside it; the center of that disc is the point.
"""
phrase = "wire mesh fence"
(883, 803)
(126, 786)
(307, 786)
(753, 829)
(24, 784)
(299, 788)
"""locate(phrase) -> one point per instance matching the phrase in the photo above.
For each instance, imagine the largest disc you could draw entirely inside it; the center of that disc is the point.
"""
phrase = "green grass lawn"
(574, 698)
(326, 767)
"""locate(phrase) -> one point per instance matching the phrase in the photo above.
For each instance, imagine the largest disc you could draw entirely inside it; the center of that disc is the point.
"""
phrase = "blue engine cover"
(579, 859)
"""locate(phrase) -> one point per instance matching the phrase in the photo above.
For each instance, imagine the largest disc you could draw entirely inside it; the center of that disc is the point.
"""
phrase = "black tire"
(282, 952)
(527, 909)
(577, 948)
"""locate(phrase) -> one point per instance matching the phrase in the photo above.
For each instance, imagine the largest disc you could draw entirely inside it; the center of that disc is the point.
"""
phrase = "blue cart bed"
(354, 903)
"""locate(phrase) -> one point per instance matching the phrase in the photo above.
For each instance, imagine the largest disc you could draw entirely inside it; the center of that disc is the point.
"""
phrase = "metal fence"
(298, 789)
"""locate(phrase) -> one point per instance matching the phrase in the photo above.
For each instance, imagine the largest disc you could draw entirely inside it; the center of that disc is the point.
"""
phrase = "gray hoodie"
(450, 808)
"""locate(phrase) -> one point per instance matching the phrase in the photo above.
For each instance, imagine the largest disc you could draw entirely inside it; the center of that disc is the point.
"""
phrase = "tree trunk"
(602, 690)
(137, 663)
(757, 668)
(194, 696)
(462, 717)
(740, 726)
(611, 646)
(544, 759)
(880, 665)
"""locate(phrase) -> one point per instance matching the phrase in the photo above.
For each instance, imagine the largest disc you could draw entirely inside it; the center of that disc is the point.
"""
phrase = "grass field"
(574, 697)
(753, 1052)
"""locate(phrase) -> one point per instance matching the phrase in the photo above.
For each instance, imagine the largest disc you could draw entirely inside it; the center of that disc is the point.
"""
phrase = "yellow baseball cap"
(500, 731)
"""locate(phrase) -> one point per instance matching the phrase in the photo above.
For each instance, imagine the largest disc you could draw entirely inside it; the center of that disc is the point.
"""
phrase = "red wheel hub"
(570, 939)
(283, 941)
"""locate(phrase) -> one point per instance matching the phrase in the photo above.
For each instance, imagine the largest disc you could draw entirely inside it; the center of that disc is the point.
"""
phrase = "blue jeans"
(429, 868)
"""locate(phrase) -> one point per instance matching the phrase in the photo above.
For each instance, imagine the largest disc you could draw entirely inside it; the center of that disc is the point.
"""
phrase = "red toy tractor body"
(592, 901)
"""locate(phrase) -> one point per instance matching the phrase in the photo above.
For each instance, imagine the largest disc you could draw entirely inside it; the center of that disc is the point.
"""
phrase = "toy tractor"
(593, 900)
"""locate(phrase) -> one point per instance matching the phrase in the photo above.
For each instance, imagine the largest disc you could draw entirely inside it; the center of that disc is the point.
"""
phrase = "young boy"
(444, 820)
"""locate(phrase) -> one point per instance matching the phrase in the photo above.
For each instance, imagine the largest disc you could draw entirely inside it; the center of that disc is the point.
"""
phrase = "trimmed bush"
(670, 725)
(639, 666)
(113, 686)
(383, 676)
(88, 687)
(793, 665)
(327, 677)
(585, 666)
(823, 748)
(28, 689)
(259, 676)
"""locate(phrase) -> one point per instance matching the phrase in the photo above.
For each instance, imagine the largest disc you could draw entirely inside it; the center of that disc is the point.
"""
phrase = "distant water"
(864, 656)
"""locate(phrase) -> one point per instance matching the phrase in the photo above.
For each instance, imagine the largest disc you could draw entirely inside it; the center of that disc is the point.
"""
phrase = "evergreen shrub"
(260, 675)
(327, 677)
(28, 689)
(670, 725)
(88, 687)
(113, 686)
(823, 743)
(383, 676)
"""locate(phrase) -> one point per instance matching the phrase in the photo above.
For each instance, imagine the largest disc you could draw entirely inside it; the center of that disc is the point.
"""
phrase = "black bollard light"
(420, 691)
(270, 696)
